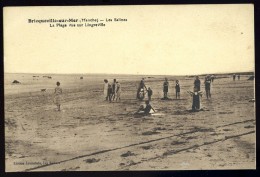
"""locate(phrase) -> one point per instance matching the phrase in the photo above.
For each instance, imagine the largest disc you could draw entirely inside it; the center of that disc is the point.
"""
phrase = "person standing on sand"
(197, 83)
(165, 88)
(118, 91)
(114, 90)
(106, 88)
(238, 77)
(234, 77)
(150, 93)
(109, 92)
(207, 83)
(57, 95)
(178, 89)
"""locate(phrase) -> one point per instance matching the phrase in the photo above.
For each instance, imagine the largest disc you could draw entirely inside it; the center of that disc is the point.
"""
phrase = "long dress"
(58, 97)
(105, 89)
(118, 93)
(196, 101)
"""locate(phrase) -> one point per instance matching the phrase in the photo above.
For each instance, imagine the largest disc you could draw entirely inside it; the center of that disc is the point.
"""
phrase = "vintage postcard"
(151, 87)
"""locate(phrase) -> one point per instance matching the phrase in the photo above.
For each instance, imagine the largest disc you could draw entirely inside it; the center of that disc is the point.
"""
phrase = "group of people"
(197, 93)
(142, 89)
(234, 77)
(166, 89)
(208, 80)
(112, 91)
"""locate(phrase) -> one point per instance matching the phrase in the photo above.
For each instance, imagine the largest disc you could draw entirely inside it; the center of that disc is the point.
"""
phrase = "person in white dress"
(57, 95)
(106, 89)
(118, 91)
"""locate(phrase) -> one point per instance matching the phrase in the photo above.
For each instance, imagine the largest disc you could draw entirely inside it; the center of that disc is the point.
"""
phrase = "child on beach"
(234, 77)
(165, 88)
(109, 92)
(150, 93)
(178, 89)
(57, 95)
(195, 99)
(118, 91)
(145, 110)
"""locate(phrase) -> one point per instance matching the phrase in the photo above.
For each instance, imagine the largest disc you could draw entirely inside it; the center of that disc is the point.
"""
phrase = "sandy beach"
(91, 134)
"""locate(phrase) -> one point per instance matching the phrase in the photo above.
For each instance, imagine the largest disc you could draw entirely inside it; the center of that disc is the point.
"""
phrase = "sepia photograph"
(129, 88)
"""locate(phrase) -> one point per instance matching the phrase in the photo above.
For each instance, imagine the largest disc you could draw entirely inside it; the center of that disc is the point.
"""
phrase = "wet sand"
(92, 134)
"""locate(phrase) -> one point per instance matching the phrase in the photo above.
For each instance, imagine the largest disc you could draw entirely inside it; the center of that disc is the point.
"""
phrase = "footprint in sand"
(150, 133)
(128, 153)
(191, 137)
(177, 142)
(215, 134)
(146, 147)
(249, 126)
(158, 128)
(93, 160)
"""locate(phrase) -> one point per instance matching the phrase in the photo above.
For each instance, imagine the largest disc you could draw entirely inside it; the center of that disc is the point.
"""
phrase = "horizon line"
(131, 74)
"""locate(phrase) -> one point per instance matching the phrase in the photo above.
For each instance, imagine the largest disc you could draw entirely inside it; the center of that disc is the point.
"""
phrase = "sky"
(163, 40)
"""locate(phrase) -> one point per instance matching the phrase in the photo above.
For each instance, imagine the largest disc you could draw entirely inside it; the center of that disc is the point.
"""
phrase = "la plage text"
(93, 23)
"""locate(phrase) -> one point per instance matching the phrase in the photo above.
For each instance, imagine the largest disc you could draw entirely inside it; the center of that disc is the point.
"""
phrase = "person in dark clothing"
(197, 83)
(109, 92)
(178, 89)
(146, 110)
(141, 86)
(195, 99)
(150, 93)
(234, 77)
(165, 88)
(207, 83)
(238, 77)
